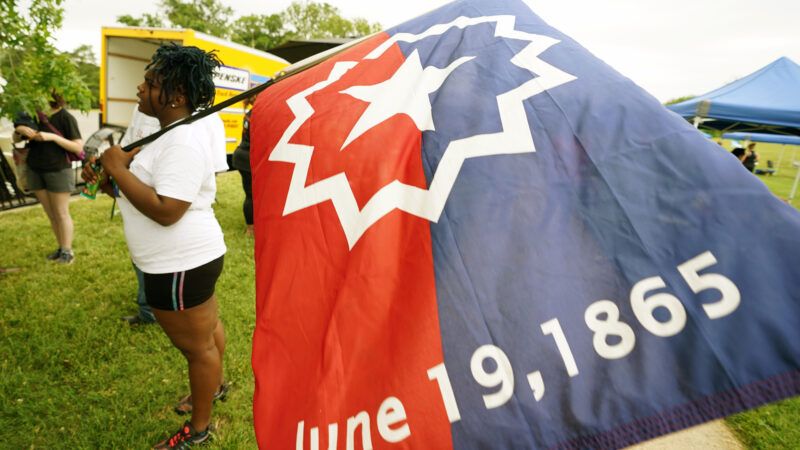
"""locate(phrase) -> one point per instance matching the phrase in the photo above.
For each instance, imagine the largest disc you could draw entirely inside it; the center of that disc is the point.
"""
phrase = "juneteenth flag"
(471, 233)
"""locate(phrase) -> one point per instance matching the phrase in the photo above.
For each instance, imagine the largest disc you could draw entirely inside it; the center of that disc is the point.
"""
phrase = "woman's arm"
(163, 210)
(73, 146)
(21, 133)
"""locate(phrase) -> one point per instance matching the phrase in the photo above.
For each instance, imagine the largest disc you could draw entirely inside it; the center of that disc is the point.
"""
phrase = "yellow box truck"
(127, 50)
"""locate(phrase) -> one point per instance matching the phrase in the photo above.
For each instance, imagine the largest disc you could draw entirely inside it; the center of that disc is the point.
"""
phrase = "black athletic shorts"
(182, 290)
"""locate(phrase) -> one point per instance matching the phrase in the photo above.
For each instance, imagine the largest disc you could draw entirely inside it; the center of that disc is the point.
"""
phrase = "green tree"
(301, 20)
(205, 16)
(361, 27)
(259, 31)
(309, 20)
(146, 20)
(31, 65)
(84, 59)
(679, 99)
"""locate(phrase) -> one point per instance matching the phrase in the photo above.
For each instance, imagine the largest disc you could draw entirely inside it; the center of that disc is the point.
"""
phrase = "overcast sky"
(671, 48)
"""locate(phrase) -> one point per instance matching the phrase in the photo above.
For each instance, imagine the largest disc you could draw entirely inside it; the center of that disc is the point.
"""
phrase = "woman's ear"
(178, 100)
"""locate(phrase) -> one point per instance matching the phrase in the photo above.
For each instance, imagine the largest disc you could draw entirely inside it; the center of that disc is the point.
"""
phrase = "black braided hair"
(187, 69)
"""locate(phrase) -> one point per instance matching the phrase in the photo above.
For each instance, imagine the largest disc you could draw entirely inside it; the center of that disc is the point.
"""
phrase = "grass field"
(75, 377)
(775, 426)
(782, 157)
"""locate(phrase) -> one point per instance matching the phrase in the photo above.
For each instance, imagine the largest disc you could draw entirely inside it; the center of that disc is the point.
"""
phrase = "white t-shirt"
(215, 128)
(181, 164)
(143, 125)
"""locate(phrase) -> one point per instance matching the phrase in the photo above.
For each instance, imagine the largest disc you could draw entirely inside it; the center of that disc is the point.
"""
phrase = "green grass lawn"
(775, 426)
(74, 376)
(782, 157)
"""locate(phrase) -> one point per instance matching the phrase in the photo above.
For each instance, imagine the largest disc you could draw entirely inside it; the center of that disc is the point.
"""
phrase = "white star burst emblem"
(400, 95)
(406, 92)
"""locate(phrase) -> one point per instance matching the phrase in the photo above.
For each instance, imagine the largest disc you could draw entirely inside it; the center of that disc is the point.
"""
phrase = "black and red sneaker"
(184, 405)
(185, 438)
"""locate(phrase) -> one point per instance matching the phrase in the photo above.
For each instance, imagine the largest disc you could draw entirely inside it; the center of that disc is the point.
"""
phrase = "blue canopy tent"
(767, 101)
(763, 137)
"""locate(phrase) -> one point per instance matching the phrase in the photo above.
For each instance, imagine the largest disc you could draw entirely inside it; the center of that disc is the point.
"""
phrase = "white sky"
(671, 48)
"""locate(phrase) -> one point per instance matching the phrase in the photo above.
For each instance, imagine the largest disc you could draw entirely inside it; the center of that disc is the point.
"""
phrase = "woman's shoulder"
(189, 136)
(63, 114)
(66, 123)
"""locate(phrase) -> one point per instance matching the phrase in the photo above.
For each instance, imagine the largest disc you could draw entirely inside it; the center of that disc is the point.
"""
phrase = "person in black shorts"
(167, 189)
(50, 174)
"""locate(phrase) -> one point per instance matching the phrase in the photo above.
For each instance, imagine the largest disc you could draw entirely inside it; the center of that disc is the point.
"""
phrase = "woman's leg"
(44, 200)
(193, 331)
(219, 340)
(59, 202)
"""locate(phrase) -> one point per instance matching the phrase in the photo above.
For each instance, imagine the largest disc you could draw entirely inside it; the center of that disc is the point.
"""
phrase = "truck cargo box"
(127, 50)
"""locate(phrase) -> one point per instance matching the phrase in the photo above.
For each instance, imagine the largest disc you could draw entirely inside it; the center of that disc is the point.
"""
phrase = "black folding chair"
(9, 191)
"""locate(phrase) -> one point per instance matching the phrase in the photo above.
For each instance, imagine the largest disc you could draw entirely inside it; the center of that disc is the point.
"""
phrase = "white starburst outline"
(515, 137)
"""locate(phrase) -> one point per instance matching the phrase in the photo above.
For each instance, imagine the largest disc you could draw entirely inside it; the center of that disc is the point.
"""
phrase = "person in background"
(750, 157)
(241, 162)
(739, 153)
(166, 194)
(50, 174)
(140, 127)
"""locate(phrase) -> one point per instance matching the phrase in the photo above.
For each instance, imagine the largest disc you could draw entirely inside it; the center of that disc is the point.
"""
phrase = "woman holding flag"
(166, 192)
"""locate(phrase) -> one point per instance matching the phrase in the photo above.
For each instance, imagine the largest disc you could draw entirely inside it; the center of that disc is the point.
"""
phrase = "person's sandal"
(184, 406)
(185, 438)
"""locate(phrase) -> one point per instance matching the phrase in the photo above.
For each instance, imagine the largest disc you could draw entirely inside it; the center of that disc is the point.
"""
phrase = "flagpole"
(294, 69)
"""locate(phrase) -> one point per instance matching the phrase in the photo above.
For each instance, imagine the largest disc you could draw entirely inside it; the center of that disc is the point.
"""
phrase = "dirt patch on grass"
(708, 436)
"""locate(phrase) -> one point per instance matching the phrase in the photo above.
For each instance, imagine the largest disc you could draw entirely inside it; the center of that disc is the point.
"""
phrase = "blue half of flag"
(624, 278)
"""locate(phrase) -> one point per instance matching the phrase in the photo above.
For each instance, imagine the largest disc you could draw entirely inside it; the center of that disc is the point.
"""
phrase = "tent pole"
(780, 158)
(794, 186)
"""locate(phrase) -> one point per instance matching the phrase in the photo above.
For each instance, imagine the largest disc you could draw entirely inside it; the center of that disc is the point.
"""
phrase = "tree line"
(31, 67)
(301, 20)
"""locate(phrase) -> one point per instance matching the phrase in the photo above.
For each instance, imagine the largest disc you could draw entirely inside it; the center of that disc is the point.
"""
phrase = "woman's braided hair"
(188, 70)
